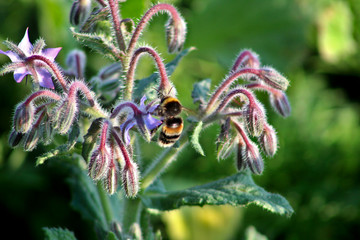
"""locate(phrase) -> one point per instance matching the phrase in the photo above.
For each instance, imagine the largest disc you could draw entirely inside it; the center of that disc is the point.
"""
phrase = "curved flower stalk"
(247, 115)
(23, 63)
(165, 87)
(176, 27)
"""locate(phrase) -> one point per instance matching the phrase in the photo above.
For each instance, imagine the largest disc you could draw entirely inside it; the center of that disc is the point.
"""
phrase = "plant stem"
(166, 157)
(114, 10)
(131, 213)
(105, 203)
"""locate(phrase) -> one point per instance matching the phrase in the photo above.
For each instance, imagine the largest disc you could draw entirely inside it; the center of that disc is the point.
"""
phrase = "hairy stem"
(52, 66)
(146, 18)
(228, 81)
(161, 162)
(114, 11)
(164, 81)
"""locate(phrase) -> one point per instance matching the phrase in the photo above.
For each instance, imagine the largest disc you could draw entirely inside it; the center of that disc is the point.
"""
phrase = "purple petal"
(13, 56)
(51, 53)
(25, 44)
(152, 108)
(20, 73)
(142, 102)
(151, 122)
(44, 78)
(125, 132)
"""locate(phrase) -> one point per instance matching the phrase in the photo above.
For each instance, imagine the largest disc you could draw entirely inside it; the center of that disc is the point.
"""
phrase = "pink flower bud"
(80, 11)
(255, 118)
(274, 79)
(246, 59)
(268, 140)
(175, 34)
(251, 156)
(99, 163)
(130, 179)
(24, 117)
(280, 103)
(64, 115)
(31, 139)
(111, 180)
(15, 138)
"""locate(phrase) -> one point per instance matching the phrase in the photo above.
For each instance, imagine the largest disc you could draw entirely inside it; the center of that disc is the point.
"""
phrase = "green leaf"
(85, 197)
(195, 138)
(146, 85)
(99, 42)
(73, 136)
(200, 92)
(236, 190)
(58, 234)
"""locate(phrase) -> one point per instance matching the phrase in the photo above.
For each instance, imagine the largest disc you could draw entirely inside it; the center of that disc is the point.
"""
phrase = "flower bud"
(32, 138)
(111, 181)
(246, 59)
(255, 118)
(175, 34)
(15, 138)
(274, 79)
(24, 117)
(76, 61)
(241, 161)
(251, 155)
(110, 72)
(280, 103)
(64, 115)
(268, 140)
(80, 11)
(109, 85)
(130, 179)
(99, 163)
(47, 131)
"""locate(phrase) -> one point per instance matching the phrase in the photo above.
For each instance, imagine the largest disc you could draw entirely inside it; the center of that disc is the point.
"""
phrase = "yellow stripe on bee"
(173, 131)
(170, 99)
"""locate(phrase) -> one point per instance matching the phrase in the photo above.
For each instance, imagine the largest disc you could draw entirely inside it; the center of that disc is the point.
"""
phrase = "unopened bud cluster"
(247, 115)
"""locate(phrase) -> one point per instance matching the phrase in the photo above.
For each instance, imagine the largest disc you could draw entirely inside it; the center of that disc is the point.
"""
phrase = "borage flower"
(141, 117)
(21, 67)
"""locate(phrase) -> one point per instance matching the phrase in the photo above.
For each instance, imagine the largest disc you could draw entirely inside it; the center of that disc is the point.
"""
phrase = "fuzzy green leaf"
(236, 190)
(73, 136)
(58, 234)
(146, 85)
(200, 92)
(195, 138)
(85, 197)
(100, 43)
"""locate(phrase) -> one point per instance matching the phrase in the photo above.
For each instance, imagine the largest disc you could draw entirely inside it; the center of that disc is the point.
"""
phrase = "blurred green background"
(316, 44)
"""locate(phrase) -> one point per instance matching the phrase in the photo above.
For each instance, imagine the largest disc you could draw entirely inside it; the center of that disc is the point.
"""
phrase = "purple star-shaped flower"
(143, 119)
(24, 50)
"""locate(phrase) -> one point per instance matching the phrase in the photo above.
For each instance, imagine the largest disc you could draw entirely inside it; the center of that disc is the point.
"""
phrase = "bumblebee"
(173, 125)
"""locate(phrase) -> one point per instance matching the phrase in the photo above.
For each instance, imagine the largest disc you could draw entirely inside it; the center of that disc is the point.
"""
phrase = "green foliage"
(235, 190)
(58, 234)
(201, 90)
(99, 42)
(195, 138)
